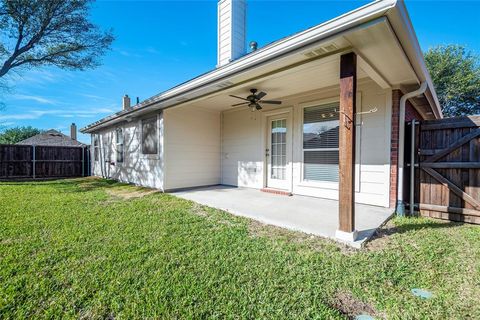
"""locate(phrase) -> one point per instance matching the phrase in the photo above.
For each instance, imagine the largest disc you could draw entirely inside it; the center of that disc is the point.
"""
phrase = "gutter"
(400, 209)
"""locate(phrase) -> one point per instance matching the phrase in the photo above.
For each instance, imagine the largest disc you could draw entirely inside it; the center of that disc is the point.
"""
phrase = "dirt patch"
(199, 210)
(351, 307)
(128, 192)
(382, 237)
(316, 243)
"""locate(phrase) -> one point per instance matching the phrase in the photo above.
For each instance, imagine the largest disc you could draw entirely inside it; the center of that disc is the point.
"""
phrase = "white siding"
(242, 152)
(231, 30)
(243, 146)
(138, 169)
(192, 147)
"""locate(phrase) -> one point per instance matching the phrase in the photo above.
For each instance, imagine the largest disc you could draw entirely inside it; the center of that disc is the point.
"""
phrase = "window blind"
(320, 142)
(149, 136)
(119, 144)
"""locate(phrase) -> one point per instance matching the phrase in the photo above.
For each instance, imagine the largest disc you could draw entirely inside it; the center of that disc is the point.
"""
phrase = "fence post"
(33, 161)
(83, 161)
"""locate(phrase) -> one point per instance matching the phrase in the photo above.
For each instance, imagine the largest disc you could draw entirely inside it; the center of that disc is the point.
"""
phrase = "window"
(95, 148)
(320, 143)
(119, 144)
(149, 136)
(279, 149)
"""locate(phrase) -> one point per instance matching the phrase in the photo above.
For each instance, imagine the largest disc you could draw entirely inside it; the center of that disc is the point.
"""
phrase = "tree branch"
(51, 24)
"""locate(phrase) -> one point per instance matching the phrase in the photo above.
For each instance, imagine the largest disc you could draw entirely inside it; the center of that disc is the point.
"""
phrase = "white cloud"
(152, 50)
(92, 96)
(30, 115)
(63, 113)
(129, 54)
(40, 77)
(33, 98)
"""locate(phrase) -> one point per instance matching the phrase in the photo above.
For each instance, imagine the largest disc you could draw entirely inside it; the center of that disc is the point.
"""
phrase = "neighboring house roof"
(390, 12)
(52, 138)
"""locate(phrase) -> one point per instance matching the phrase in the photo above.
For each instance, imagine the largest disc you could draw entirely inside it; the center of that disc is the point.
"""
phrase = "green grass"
(87, 248)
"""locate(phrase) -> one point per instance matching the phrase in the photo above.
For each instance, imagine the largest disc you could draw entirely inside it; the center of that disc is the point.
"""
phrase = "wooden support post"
(346, 187)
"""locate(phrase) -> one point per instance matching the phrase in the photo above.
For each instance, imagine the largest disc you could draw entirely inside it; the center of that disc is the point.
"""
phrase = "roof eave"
(404, 30)
(277, 49)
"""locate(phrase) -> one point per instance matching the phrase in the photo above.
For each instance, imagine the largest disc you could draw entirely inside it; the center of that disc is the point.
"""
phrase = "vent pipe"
(253, 46)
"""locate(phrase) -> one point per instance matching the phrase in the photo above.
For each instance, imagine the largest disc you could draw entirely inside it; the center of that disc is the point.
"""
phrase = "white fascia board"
(275, 50)
(403, 28)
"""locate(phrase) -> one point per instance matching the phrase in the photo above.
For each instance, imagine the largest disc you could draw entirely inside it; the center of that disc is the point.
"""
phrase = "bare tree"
(50, 32)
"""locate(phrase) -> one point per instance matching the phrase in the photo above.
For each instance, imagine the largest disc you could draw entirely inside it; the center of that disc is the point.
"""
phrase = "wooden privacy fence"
(447, 185)
(39, 162)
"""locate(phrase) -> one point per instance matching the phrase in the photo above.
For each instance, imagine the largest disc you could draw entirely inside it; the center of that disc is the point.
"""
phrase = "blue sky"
(160, 44)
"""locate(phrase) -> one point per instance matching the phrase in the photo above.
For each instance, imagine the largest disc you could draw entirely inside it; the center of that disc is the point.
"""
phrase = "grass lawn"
(86, 248)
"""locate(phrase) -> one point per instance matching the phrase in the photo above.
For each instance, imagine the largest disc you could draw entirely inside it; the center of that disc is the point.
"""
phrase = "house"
(320, 113)
(54, 138)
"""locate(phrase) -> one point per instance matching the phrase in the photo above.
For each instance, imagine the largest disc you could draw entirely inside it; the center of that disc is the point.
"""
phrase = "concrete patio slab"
(307, 214)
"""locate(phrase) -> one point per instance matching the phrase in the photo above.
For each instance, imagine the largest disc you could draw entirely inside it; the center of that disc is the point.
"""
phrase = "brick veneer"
(410, 114)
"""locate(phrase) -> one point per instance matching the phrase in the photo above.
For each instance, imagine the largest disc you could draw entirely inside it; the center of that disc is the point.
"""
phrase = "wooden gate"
(448, 181)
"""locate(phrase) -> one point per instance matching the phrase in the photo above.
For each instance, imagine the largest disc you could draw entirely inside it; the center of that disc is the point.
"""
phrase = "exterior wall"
(410, 114)
(192, 147)
(244, 136)
(138, 169)
(242, 152)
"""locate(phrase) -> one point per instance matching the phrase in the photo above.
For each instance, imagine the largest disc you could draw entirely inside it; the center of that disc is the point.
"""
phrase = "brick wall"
(410, 114)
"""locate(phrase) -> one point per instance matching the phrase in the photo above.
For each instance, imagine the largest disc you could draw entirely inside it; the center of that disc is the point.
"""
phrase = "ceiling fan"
(254, 100)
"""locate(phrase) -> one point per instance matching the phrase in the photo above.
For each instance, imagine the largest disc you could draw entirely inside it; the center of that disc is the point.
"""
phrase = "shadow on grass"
(412, 224)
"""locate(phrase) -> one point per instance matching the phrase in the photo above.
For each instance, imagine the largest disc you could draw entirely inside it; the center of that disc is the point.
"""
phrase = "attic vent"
(330, 47)
(225, 84)
(321, 51)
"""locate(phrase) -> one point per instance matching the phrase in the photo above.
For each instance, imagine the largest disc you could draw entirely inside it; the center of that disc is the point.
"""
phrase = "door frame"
(288, 111)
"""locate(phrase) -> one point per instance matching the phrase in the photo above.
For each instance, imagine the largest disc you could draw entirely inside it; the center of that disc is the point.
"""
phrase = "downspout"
(400, 210)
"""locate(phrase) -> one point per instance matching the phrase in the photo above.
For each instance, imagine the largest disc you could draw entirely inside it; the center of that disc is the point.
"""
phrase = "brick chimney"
(231, 17)
(126, 102)
(73, 131)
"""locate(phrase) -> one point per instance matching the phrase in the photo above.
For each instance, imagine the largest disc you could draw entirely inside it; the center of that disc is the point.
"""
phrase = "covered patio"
(311, 215)
(317, 115)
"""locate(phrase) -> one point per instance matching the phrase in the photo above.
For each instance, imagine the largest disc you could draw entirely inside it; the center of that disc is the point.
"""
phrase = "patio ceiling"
(308, 77)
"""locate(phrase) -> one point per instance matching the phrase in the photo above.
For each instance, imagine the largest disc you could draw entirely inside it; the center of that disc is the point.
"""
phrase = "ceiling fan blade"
(260, 95)
(240, 104)
(270, 102)
(231, 95)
